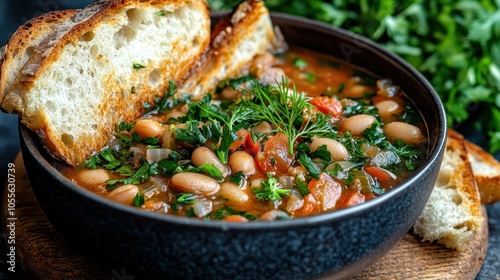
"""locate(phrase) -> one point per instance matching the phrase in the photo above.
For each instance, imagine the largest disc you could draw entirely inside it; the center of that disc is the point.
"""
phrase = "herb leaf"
(270, 190)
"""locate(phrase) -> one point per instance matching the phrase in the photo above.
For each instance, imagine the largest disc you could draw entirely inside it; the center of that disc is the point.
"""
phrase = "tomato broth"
(300, 134)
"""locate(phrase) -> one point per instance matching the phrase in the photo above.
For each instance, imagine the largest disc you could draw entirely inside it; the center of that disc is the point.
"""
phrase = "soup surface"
(301, 134)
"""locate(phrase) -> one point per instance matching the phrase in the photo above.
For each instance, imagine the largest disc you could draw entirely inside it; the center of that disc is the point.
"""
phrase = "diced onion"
(202, 208)
(154, 155)
(159, 183)
(385, 158)
(363, 181)
(150, 191)
(138, 154)
(345, 166)
(294, 202)
(286, 181)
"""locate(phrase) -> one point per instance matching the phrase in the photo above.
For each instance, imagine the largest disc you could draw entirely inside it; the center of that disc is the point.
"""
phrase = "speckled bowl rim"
(434, 152)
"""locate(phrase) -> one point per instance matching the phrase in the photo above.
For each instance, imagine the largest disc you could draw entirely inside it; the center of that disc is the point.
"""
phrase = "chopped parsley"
(138, 66)
(270, 190)
(186, 198)
(139, 200)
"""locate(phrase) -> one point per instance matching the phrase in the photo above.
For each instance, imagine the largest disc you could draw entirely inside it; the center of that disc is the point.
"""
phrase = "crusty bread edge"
(23, 38)
(489, 186)
(228, 34)
(463, 180)
(50, 49)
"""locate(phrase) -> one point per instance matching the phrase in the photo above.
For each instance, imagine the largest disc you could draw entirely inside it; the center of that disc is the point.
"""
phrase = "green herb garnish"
(186, 198)
(139, 200)
(270, 190)
(285, 109)
(138, 66)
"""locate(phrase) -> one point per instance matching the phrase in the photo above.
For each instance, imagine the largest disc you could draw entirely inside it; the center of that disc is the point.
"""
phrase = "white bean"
(233, 193)
(260, 62)
(241, 161)
(353, 89)
(262, 127)
(203, 155)
(124, 194)
(389, 109)
(229, 93)
(147, 128)
(93, 176)
(272, 75)
(357, 124)
(336, 149)
(405, 132)
(195, 183)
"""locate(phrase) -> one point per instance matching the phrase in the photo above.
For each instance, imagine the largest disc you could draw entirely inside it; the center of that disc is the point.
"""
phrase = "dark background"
(14, 13)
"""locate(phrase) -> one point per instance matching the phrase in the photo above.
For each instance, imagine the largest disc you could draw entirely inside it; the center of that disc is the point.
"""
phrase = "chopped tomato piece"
(350, 198)
(242, 136)
(328, 105)
(275, 156)
(250, 146)
(311, 206)
(326, 190)
(379, 173)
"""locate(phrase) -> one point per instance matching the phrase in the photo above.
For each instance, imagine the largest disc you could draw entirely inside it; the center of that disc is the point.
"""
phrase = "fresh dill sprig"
(288, 110)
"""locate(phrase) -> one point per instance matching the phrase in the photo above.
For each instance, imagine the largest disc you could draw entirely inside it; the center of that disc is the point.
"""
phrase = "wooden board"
(42, 254)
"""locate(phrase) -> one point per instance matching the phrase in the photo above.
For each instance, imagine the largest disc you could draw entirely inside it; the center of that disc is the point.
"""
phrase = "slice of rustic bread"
(23, 42)
(100, 67)
(236, 40)
(486, 173)
(452, 215)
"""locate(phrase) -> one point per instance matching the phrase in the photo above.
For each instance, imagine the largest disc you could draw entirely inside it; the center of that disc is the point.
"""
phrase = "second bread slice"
(452, 216)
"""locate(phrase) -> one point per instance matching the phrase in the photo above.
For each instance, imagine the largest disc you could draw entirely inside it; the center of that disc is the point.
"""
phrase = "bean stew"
(300, 134)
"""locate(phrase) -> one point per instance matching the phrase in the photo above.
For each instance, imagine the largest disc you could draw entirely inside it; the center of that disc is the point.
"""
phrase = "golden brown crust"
(452, 215)
(486, 173)
(119, 105)
(23, 41)
(464, 177)
(228, 35)
(82, 22)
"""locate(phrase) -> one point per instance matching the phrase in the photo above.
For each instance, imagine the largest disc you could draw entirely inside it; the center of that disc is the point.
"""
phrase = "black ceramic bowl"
(339, 244)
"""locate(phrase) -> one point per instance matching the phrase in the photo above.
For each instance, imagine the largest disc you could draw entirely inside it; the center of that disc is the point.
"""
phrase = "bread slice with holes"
(486, 173)
(452, 216)
(100, 67)
(23, 42)
(236, 40)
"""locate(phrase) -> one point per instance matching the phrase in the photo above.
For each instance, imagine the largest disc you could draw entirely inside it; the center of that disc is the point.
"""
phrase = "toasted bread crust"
(82, 22)
(117, 104)
(232, 48)
(24, 41)
(486, 173)
(452, 216)
(464, 176)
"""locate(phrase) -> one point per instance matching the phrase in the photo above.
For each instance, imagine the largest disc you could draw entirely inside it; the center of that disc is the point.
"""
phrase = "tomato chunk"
(379, 173)
(350, 198)
(250, 146)
(328, 105)
(311, 206)
(242, 136)
(326, 190)
(275, 156)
